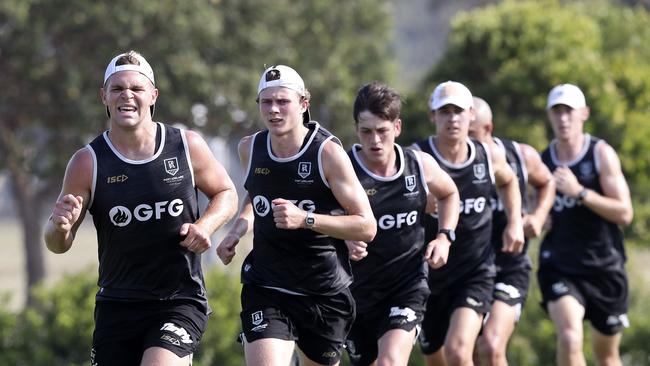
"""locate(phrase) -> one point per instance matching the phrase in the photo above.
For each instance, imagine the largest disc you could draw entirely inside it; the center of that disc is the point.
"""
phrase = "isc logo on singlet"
(388, 222)
(122, 216)
(263, 206)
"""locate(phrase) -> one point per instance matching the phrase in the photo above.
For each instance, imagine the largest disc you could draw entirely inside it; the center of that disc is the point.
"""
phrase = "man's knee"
(458, 353)
(490, 347)
(570, 339)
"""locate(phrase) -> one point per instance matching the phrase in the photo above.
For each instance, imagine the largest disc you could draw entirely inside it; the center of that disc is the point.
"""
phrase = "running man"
(461, 291)
(582, 258)
(513, 269)
(390, 273)
(139, 180)
(303, 201)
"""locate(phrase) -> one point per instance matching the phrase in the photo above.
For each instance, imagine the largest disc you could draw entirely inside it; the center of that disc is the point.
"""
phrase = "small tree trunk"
(33, 251)
(28, 201)
(29, 209)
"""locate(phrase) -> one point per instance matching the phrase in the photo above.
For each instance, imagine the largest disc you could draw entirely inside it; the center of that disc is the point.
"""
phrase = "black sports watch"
(449, 233)
(582, 194)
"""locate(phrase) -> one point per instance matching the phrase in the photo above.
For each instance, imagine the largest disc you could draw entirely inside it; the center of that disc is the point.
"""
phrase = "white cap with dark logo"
(286, 77)
(451, 92)
(567, 94)
(144, 68)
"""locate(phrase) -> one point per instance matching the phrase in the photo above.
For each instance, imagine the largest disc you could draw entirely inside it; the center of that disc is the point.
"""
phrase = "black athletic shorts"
(511, 287)
(402, 310)
(474, 291)
(318, 324)
(604, 296)
(124, 330)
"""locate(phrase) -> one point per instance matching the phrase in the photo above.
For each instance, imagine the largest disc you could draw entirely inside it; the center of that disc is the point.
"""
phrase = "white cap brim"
(455, 100)
(566, 94)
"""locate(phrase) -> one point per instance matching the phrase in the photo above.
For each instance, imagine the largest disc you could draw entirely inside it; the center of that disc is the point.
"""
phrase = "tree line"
(207, 56)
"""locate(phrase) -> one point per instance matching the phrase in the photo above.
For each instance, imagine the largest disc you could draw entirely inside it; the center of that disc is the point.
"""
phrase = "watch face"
(309, 220)
(451, 234)
(582, 195)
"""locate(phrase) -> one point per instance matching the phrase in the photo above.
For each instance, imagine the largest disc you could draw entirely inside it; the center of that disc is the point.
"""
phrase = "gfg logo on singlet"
(472, 204)
(496, 205)
(262, 205)
(121, 216)
(562, 202)
(387, 222)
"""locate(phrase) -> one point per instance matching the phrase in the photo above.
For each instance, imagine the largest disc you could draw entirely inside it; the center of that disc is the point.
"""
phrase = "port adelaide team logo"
(258, 322)
(479, 171)
(171, 166)
(410, 182)
(586, 169)
(257, 318)
(304, 169)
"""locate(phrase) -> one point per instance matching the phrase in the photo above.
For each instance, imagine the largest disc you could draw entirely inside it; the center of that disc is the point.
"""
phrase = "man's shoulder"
(82, 155)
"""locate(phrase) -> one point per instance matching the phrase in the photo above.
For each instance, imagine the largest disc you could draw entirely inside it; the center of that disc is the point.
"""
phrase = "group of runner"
(367, 249)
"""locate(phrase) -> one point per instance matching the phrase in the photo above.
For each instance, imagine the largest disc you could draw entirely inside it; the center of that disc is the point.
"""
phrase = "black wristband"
(449, 233)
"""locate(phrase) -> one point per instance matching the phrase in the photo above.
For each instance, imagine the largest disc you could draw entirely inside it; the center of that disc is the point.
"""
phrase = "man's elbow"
(57, 243)
(369, 231)
(234, 203)
(56, 250)
(55, 247)
(626, 218)
(228, 199)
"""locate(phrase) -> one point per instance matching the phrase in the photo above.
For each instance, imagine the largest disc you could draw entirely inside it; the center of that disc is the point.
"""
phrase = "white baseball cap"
(567, 94)
(281, 75)
(144, 68)
(286, 77)
(451, 92)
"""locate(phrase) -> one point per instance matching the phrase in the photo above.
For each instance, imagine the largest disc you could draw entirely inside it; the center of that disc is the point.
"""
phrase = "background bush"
(57, 330)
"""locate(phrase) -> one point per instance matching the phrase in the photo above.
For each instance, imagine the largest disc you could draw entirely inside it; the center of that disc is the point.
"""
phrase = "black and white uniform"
(296, 282)
(583, 254)
(467, 280)
(513, 269)
(145, 276)
(390, 283)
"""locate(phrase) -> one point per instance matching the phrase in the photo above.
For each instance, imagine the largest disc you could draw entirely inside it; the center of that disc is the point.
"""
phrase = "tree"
(207, 56)
(511, 54)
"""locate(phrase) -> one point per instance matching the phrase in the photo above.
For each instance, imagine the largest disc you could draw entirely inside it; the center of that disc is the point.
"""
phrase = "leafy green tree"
(207, 56)
(511, 54)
